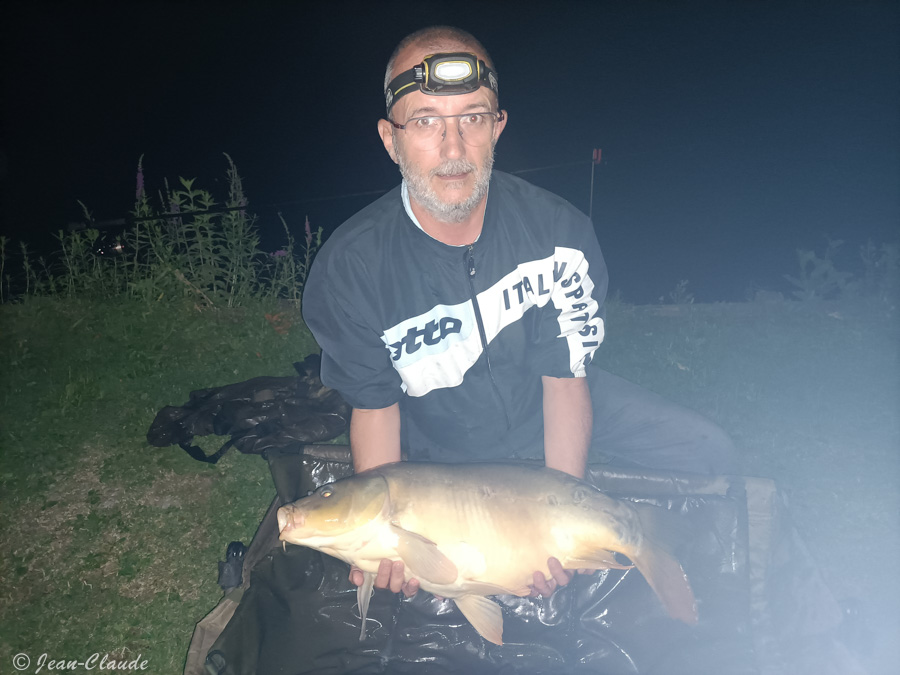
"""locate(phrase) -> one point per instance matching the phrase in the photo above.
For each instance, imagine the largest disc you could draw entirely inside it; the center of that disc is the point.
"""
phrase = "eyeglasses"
(475, 128)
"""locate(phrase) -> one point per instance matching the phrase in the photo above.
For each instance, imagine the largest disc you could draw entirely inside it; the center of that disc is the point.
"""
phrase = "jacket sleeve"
(355, 360)
(570, 327)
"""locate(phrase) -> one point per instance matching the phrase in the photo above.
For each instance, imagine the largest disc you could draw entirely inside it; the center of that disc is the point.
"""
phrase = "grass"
(111, 545)
(810, 391)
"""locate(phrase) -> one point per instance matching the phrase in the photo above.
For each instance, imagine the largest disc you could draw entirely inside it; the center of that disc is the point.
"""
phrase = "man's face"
(450, 180)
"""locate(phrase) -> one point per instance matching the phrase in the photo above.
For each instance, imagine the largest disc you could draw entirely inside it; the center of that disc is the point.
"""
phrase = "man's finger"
(542, 585)
(356, 576)
(561, 576)
(383, 576)
(397, 577)
(410, 588)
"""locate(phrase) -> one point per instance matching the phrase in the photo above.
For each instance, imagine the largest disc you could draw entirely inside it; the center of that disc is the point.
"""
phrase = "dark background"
(733, 132)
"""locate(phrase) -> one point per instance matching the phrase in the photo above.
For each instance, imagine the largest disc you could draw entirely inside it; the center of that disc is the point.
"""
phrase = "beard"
(419, 186)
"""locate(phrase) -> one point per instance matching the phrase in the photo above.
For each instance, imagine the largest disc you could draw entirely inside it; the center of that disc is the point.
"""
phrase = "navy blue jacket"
(459, 336)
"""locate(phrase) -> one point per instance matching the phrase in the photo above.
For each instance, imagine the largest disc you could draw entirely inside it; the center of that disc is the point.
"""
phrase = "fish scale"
(471, 531)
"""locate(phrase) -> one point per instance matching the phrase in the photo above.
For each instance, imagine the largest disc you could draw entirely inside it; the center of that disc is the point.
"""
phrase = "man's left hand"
(558, 577)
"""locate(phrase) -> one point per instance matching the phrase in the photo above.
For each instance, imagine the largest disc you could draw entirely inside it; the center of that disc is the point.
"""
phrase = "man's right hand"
(390, 576)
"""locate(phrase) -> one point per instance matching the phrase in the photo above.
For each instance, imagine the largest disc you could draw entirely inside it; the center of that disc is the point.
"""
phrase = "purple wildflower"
(308, 233)
(279, 254)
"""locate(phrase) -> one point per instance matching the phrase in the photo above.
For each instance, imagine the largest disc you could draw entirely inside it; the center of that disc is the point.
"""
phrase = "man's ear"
(500, 126)
(386, 131)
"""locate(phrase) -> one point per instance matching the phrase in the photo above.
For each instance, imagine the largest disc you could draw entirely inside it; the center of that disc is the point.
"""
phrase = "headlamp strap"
(445, 74)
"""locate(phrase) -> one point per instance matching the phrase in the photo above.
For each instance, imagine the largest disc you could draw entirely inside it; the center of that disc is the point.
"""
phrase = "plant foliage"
(820, 279)
(184, 245)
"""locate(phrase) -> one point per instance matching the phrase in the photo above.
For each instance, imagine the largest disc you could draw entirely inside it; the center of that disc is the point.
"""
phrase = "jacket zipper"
(470, 276)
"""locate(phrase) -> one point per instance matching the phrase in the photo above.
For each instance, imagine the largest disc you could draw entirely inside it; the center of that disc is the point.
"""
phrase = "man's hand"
(558, 577)
(390, 576)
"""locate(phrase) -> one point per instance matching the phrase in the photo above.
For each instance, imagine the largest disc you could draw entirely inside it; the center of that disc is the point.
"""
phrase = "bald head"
(432, 40)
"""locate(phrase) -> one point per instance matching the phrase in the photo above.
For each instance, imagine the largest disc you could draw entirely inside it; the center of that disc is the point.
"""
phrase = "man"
(458, 313)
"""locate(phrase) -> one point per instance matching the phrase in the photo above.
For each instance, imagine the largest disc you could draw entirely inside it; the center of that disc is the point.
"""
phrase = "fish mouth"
(288, 519)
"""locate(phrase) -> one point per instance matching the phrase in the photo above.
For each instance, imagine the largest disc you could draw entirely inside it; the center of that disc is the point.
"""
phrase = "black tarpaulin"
(258, 414)
(298, 613)
(764, 609)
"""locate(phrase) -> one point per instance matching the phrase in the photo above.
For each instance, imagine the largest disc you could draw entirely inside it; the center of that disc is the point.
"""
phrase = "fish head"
(334, 510)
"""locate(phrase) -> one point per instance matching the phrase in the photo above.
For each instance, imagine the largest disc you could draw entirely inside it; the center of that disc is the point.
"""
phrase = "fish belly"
(495, 538)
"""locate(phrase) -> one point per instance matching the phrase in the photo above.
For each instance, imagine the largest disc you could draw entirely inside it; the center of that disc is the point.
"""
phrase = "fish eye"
(327, 492)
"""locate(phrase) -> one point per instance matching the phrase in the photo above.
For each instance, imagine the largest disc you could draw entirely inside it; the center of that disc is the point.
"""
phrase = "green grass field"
(110, 546)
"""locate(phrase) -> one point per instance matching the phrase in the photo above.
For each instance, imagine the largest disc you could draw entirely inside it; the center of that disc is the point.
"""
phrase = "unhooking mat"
(296, 612)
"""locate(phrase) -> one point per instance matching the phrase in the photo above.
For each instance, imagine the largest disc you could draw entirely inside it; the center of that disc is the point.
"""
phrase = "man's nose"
(452, 143)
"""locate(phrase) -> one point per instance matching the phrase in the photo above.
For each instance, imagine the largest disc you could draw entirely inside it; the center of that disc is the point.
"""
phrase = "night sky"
(732, 132)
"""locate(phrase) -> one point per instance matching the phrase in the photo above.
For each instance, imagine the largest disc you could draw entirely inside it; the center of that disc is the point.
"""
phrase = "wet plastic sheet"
(299, 614)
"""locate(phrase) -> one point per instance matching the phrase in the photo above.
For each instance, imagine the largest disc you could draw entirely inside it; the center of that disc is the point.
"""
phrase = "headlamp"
(443, 75)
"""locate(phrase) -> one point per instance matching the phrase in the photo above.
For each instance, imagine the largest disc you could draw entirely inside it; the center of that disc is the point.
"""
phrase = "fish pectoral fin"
(599, 559)
(363, 595)
(422, 557)
(484, 615)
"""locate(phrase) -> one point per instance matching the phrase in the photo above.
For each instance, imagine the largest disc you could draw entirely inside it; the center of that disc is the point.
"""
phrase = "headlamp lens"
(452, 71)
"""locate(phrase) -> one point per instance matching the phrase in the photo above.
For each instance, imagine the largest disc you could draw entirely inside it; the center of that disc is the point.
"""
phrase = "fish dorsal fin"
(598, 559)
(484, 615)
(363, 595)
(422, 557)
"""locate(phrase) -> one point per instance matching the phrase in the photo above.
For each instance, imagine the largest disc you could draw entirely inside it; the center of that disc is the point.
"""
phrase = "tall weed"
(3, 276)
(820, 278)
(881, 265)
(184, 246)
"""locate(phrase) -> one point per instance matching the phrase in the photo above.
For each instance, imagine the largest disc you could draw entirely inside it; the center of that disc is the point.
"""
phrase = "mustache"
(453, 167)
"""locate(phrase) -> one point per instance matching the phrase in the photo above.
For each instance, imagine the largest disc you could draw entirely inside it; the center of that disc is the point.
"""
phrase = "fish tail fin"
(661, 529)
